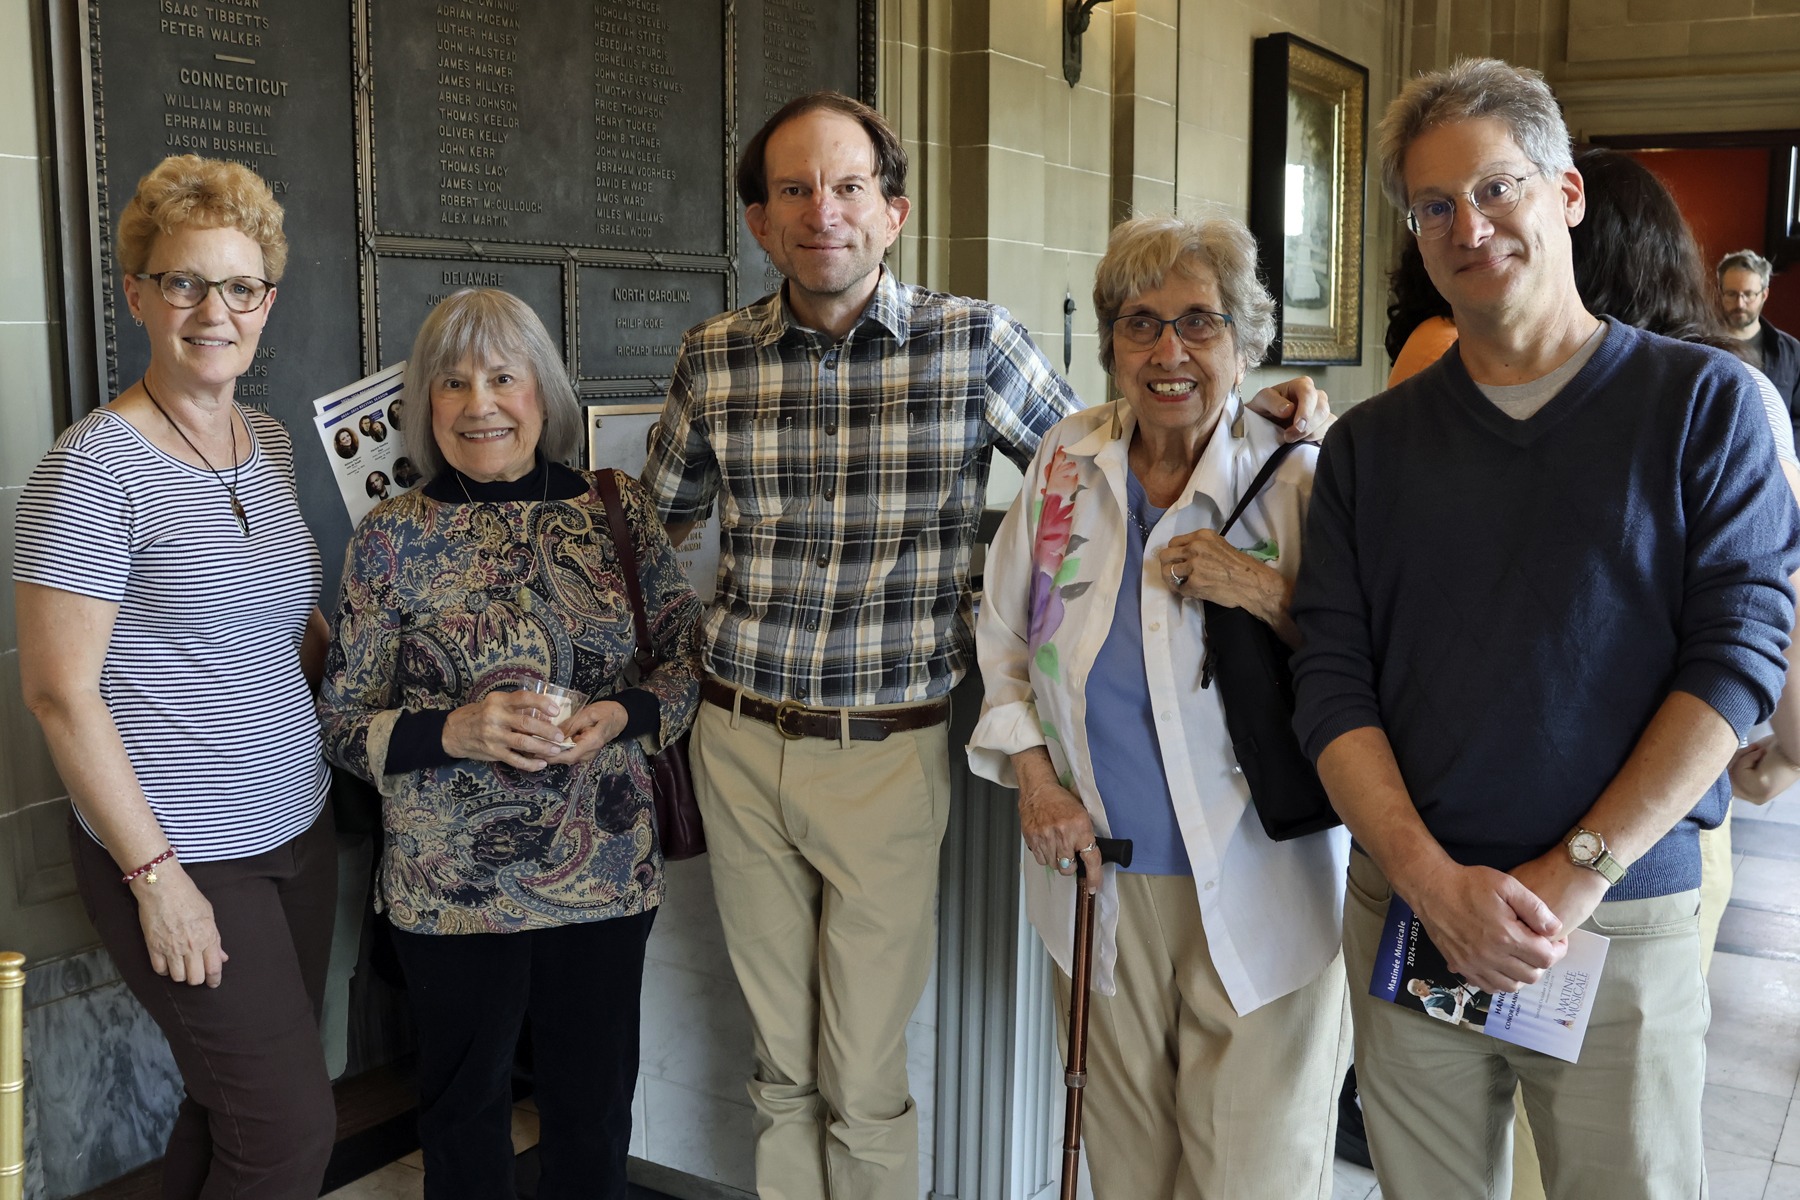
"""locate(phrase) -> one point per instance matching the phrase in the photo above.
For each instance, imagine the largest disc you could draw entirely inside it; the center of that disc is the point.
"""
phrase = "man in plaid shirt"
(844, 424)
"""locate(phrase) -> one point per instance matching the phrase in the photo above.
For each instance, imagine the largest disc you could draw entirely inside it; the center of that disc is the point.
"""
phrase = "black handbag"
(671, 783)
(1256, 686)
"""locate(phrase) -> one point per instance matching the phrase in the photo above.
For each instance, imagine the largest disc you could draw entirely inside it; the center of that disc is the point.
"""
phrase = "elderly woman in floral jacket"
(1222, 1028)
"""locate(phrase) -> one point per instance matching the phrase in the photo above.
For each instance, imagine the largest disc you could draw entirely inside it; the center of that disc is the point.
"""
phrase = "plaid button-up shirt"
(850, 479)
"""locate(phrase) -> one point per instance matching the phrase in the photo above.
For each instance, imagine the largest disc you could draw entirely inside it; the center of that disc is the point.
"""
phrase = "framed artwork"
(1308, 147)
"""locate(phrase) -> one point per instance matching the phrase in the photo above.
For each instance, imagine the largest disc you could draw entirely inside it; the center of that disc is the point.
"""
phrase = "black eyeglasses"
(184, 289)
(1197, 329)
(1493, 197)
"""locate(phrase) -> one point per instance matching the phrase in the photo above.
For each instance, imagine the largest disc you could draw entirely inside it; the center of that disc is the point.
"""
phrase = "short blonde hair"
(185, 191)
(1144, 251)
(485, 323)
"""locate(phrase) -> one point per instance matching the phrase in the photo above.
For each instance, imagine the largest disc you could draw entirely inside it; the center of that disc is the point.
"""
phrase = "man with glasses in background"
(1744, 289)
(1545, 594)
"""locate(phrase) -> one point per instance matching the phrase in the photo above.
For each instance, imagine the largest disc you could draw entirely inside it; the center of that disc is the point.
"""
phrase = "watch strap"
(1608, 866)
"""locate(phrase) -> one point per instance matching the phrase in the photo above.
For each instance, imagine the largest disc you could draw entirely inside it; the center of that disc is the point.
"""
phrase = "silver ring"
(1095, 845)
(1063, 864)
(1176, 580)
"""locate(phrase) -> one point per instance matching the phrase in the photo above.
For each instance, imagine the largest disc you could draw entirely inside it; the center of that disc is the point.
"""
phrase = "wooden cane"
(1112, 850)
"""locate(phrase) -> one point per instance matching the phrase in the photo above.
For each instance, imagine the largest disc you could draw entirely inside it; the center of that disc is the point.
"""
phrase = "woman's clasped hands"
(519, 729)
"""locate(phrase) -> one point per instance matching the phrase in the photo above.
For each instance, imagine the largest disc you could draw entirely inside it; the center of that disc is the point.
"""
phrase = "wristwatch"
(1588, 849)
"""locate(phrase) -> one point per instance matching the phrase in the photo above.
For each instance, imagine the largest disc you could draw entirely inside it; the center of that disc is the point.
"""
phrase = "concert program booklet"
(1549, 1016)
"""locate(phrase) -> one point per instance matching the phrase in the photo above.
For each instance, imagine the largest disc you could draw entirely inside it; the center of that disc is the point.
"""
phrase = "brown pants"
(258, 1120)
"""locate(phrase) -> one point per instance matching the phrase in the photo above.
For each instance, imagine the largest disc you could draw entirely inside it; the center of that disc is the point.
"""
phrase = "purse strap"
(608, 483)
(1262, 477)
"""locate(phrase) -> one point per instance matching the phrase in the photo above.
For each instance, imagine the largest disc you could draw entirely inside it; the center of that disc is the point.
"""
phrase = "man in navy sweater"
(1545, 594)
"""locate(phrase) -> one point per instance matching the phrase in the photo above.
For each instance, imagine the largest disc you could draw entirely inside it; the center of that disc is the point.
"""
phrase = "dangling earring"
(139, 320)
(1237, 424)
(1118, 426)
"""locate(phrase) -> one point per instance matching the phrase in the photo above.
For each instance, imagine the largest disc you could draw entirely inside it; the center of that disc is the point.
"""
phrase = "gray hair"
(1746, 260)
(484, 323)
(1473, 89)
(1144, 251)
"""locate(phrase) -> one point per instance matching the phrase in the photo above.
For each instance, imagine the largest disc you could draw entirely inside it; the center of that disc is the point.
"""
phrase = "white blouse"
(1271, 910)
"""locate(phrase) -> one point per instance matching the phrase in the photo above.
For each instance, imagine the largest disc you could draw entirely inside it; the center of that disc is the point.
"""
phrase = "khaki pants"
(1715, 886)
(1187, 1100)
(1623, 1124)
(1715, 894)
(825, 864)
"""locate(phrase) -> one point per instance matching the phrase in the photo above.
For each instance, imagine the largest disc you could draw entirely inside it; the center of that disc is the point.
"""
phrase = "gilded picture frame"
(1308, 150)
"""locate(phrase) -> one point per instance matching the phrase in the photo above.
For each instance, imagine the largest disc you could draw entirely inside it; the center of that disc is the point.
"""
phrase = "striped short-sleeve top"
(202, 675)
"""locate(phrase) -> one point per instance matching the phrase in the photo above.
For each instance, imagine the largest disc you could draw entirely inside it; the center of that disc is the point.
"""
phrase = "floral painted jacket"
(444, 603)
(1050, 587)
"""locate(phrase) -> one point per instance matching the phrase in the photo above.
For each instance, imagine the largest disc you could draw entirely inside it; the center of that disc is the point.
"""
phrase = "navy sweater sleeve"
(1738, 606)
(1335, 670)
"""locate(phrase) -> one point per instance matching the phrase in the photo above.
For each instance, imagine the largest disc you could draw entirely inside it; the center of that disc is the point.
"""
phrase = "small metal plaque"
(632, 319)
(411, 287)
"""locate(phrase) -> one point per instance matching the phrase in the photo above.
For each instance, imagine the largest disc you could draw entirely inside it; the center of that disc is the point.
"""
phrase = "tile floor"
(1751, 1107)
(1752, 1101)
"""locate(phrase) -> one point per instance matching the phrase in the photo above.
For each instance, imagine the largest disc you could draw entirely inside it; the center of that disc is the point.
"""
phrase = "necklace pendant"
(237, 510)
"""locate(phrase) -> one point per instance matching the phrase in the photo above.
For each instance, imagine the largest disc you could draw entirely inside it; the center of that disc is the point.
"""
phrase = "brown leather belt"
(794, 720)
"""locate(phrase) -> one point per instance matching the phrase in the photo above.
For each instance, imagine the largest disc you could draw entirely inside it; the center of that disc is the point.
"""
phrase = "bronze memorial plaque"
(579, 153)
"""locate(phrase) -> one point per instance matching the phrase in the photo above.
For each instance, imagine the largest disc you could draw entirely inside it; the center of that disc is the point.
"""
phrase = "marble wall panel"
(101, 1087)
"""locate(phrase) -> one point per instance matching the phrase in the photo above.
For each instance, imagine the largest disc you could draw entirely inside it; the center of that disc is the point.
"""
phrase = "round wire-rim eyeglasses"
(1494, 196)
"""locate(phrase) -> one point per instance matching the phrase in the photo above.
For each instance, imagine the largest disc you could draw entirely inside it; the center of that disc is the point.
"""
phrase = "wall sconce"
(1076, 14)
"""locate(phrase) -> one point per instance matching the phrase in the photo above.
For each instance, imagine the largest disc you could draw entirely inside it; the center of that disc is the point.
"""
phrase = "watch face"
(1584, 847)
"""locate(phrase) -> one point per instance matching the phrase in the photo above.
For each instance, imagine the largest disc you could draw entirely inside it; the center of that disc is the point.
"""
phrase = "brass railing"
(12, 1076)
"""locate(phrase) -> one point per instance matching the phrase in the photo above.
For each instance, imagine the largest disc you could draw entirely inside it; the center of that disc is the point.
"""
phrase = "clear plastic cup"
(565, 703)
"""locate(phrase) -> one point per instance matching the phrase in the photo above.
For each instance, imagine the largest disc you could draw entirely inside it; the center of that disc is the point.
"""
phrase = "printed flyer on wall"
(360, 426)
(1549, 1016)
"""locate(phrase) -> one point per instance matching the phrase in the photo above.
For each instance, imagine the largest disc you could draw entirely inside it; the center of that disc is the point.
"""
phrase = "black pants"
(471, 993)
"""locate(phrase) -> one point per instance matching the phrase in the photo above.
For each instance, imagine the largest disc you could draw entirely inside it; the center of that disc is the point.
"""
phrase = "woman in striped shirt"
(169, 644)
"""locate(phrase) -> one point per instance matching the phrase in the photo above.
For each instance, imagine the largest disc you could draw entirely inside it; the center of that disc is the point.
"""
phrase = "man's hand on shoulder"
(1302, 409)
(1572, 892)
(1492, 929)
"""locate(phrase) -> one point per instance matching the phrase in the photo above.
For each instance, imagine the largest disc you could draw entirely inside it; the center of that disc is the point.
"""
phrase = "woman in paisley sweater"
(521, 871)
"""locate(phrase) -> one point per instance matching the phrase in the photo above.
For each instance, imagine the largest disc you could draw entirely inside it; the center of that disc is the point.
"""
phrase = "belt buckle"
(781, 712)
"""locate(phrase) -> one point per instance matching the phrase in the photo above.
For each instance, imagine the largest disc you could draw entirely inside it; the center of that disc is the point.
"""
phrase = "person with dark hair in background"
(1420, 327)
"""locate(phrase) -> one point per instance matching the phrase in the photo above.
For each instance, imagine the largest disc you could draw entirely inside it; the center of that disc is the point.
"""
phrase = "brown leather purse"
(672, 784)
